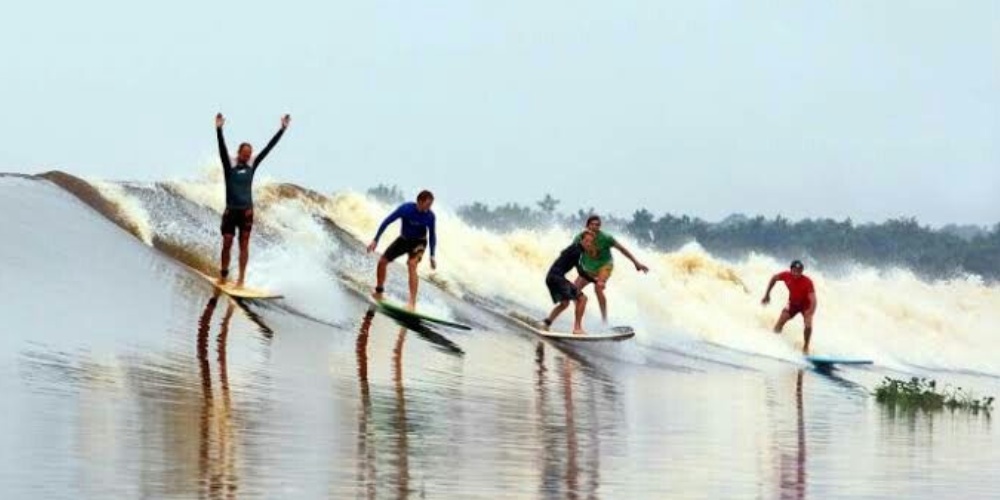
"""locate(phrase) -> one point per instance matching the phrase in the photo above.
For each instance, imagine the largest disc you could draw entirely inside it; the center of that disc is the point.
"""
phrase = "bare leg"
(244, 255)
(380, 270)
(556, 311)
(227, 246)
(601, 300)
(807, 332)
(785, 316)
(411, 265)
(600, 283)
(581, 306)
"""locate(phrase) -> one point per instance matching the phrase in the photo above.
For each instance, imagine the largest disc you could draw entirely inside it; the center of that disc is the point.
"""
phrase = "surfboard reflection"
(216, 457)
(252, 315)
(426, 332)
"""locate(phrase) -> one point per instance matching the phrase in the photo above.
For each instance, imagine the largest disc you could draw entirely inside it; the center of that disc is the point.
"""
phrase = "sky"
(867, 110)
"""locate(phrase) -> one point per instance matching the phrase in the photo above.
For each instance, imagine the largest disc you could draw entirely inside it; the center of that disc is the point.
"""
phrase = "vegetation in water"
(924, 394)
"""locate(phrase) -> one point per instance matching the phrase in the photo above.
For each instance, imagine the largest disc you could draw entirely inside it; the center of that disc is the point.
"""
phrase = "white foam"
(889, 315)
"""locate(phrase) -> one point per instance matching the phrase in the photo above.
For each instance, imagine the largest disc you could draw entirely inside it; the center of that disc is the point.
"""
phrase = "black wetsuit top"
(567, 260)
(239, 179)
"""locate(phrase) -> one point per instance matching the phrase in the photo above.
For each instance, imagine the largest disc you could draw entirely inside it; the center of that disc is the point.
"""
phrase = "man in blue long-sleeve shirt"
(239, 195)
(417, 226)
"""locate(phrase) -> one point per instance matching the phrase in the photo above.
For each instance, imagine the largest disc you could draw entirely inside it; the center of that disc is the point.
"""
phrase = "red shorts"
(795, 309)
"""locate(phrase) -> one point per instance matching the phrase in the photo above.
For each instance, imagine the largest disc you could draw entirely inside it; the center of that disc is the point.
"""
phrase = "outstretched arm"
(639, 266)
(274, 140)
(381, 229)
(223, 152)
(767, 295)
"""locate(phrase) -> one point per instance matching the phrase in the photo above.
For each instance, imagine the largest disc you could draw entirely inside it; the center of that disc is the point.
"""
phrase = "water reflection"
(793, 459)
(367, 474)
(561, 444)
(365, 477)
(216, 452)
(401, 427)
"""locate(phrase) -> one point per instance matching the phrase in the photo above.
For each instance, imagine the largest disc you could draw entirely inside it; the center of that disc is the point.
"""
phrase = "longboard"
(240, 292)
(615, 333)
(397, 311)
(829, 361)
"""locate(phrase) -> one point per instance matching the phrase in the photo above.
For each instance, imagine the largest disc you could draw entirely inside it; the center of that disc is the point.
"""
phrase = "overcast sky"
(858, 109)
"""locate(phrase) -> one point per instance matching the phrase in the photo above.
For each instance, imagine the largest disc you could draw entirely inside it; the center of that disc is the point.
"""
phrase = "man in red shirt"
(801, 299)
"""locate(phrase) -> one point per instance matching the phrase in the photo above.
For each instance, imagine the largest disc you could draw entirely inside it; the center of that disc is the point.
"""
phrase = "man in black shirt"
(239, 195)
(561, 289)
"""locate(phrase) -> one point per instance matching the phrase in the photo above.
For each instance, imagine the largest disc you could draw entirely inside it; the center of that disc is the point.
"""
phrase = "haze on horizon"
(849, 109)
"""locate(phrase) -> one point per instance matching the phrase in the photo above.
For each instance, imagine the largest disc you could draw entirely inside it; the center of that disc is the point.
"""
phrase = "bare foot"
(377, 296)
(410, 306)
(579, 331)
(239, 283)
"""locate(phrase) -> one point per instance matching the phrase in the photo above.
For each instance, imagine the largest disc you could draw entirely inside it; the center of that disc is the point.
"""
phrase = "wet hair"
(586, 232)
(797, 264)
(593, 218)
(247, 144)
(425, 195)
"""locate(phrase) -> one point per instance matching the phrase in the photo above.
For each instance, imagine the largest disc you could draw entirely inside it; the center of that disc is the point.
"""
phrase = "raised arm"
(639, 266)
(274, 140)
(223, 152)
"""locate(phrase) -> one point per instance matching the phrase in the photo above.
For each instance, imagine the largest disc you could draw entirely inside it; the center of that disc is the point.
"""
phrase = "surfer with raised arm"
(239, 195)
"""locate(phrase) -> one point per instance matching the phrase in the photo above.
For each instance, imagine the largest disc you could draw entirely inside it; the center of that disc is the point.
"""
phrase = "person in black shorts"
(239, 196)
(416, 233)
(563, 290)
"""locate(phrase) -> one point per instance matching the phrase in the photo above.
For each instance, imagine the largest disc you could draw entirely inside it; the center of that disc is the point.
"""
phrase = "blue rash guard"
(239, 178)
(415, 225)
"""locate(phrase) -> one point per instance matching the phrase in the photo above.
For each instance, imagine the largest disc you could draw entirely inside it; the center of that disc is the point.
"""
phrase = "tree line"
(903, 242)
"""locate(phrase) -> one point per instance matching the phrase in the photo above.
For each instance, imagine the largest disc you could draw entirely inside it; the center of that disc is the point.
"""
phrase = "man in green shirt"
(597, 269)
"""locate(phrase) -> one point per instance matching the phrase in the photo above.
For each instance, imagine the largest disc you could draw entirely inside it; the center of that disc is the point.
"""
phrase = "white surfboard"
(616, 333)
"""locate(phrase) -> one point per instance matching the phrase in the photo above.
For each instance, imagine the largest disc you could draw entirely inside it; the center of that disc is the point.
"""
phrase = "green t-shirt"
(603, 241)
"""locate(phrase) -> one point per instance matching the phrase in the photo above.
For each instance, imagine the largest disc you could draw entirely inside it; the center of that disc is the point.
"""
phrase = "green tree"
(390, 195)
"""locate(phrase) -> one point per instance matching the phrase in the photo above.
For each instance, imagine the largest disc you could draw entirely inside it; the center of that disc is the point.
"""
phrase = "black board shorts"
(413, 248)
(234, 218)
(560, 288)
